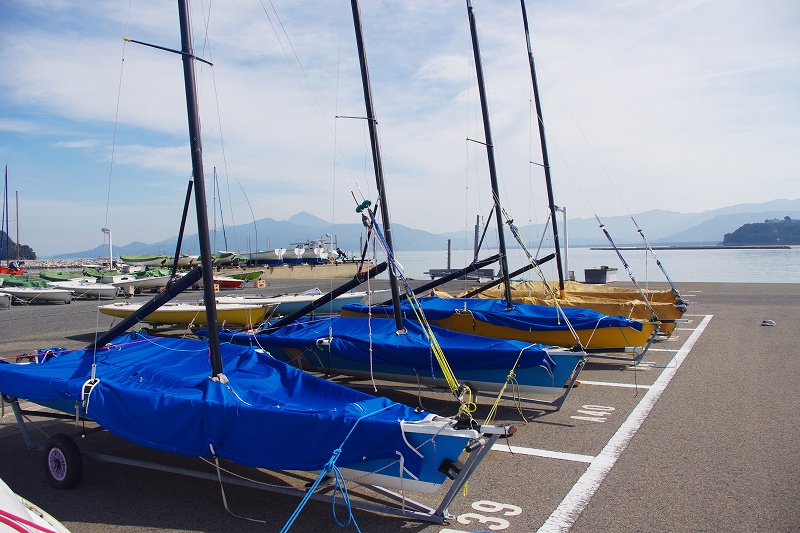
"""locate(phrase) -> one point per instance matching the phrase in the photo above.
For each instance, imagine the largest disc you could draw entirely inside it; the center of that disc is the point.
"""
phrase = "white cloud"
(670, 102)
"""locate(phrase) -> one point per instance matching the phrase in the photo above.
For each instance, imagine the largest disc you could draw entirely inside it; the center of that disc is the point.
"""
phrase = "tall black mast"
(490, 153)
(200, 189)
(545, 158)
(376, 158)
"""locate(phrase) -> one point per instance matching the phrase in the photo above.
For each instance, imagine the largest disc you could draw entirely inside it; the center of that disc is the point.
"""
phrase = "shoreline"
(700, 247)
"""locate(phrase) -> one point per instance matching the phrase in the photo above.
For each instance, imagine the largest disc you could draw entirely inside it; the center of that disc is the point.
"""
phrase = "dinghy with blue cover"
(363, 348)
(207, 399)
(531, 323)
(155, 391)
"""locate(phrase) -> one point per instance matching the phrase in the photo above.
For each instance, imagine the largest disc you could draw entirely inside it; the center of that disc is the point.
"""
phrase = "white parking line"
(577, 457)
(609, 384)
(576, 500)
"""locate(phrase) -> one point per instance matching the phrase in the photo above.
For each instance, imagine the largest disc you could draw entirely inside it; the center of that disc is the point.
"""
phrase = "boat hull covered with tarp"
(530, 323)
(621, 301)
(155, 391)
(373, 349)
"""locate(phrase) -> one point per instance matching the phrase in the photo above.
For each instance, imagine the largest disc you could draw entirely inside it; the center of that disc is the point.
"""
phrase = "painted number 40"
(494, 523)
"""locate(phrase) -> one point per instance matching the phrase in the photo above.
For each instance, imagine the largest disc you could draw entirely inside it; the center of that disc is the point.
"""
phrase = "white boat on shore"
(315, 253)
(130, 284)
(289, 303)
(267, 257)
(30, 295)
(5, 300)
(294, 256)
(20, 515)
(83, 288)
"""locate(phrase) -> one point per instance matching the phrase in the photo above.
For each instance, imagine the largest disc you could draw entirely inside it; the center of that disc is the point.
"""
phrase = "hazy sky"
(684, 106)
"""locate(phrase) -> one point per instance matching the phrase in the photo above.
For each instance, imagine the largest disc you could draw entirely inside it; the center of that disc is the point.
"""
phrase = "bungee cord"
(460, 391)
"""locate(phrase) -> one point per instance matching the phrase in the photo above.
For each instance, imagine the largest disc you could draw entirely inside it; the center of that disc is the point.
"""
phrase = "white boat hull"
(87, 289)
(289, 303)
(39, 295)
(131, 284)
(21, 515)
(269, 257)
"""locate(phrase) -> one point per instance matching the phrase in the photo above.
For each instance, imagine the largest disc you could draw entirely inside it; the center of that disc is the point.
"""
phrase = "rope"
(627, 268)
(653, 252)
(460, 391)
(340, 483)
(559, 310)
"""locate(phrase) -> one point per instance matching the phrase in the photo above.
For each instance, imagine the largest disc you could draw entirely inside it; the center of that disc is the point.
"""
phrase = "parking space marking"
(610, 384)
(520, 450)
(576, 500)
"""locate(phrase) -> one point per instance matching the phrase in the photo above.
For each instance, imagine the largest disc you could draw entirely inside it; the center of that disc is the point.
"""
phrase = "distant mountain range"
(660, 227)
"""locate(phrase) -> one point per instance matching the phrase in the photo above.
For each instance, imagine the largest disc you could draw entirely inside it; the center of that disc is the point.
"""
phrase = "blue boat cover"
(358, 339)
(527, 317)
(155, 391)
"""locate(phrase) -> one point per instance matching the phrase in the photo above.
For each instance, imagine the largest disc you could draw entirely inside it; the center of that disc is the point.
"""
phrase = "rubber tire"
(63, 462)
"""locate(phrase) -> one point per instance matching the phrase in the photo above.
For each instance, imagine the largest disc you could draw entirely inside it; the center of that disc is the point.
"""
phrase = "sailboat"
(655, 308)
(541, 324)
(403, 350)
(11, 267)
(163, 393)
(502, 318)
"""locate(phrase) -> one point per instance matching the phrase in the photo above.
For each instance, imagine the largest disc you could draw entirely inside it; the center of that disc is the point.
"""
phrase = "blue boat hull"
(483, 364)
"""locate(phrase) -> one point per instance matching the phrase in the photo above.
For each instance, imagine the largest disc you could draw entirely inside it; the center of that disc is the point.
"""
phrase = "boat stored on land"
(190, 314)
(373, 349)
(290, 303)
(372, 440)
(21, 516)
(82, 288)
(34, 295)
(531, 323)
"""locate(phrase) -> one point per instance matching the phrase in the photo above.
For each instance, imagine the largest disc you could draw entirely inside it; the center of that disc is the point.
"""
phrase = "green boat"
(23, 280)
(96, 273)
(153, 272)
(144, 259)
(59, 275)
(247, 276)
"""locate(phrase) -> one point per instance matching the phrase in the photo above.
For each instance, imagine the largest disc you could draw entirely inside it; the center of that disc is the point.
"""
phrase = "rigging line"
(221, 141)
(421, 66)
(459, 390)
(207, 47)
(627, 268)
(305, 89)
(116, 119)
(559, 310)
(608, 179)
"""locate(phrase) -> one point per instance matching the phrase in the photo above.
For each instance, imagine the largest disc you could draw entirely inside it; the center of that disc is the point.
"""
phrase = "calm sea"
(732, 266)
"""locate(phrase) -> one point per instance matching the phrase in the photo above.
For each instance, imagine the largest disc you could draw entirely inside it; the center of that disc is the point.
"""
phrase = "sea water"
(701, 265)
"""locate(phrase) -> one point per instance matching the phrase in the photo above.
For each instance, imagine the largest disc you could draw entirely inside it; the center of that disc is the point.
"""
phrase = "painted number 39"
(492, 522)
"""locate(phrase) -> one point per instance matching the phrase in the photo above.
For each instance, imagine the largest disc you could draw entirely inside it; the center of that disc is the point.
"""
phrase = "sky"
(683, 106)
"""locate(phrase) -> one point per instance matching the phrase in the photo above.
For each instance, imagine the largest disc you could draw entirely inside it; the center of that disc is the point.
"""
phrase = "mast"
(200, 189)
(4, 225)
(16, 198)
(376, 158)
(545, 159)
(490, 153)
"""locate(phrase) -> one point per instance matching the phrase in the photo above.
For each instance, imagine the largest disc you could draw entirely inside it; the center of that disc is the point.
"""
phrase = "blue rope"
(340, 482)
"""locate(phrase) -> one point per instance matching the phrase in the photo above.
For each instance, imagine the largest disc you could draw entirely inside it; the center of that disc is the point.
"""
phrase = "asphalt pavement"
(704, 438)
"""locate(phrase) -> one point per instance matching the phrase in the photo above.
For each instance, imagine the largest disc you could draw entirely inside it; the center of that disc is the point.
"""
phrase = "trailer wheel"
(63, 462)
